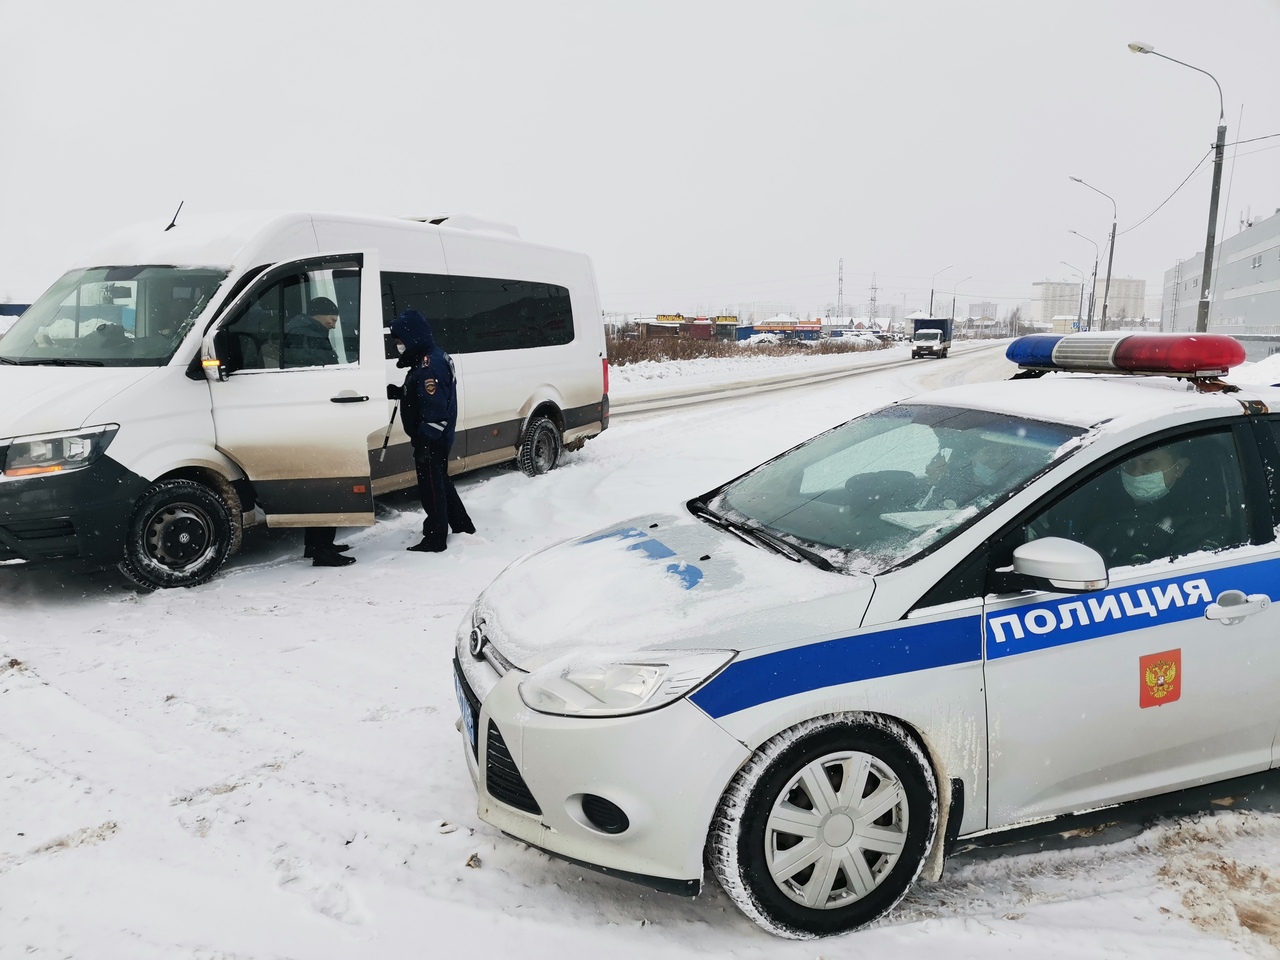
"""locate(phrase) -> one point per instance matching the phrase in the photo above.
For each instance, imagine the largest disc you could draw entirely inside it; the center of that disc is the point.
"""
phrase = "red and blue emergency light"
(1154, 354)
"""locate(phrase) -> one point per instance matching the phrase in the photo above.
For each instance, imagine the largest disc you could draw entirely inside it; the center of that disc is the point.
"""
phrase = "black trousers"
(318, 538)
(440, 501)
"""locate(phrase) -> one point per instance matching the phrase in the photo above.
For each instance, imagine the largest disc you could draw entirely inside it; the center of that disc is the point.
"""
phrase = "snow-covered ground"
(266, 766)
(1264, 371)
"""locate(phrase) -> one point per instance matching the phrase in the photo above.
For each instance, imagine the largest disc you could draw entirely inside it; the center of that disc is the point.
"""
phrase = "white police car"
(980, 607)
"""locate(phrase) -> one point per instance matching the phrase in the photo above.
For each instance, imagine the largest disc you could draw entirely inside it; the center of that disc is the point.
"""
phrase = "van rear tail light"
(604, 362)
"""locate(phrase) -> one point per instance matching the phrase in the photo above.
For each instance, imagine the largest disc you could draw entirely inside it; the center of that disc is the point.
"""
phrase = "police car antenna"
(174, 221)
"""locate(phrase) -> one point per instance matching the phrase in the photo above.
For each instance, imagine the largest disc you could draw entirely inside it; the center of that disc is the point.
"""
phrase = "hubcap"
(178, 534)
(544, 452)
(836, 830)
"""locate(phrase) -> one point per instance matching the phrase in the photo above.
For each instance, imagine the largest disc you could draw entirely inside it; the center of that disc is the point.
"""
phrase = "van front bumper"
(82, 514)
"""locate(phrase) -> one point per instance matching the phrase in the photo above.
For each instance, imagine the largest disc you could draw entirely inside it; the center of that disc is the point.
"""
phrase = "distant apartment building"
(978, 310)
(1127, 299)
(1246, 286)
(759, 311)
(1052, 302)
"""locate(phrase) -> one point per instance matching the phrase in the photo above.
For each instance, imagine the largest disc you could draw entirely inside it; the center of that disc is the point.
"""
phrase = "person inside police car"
(1168, 509)
(429, 413)
(956, 478)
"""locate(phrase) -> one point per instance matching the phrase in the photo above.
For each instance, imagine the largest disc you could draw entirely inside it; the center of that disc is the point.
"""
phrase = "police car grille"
(503, 779)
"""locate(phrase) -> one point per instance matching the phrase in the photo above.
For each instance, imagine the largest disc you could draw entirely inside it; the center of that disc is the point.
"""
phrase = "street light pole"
(953, 296)
(1093, 286)
(933, 278)
(1202, 312)
(1111, 252)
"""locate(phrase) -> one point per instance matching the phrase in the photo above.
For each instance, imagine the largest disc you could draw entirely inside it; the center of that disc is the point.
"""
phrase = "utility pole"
(1202, 313)
(1106, 289)
(874, 288)
(840, 292)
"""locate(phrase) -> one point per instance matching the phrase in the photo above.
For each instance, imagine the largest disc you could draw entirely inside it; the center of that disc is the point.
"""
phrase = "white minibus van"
(150, 408)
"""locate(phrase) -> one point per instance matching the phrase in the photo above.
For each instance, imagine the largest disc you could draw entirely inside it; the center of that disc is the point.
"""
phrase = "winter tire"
(827, 826)
(179, 534)
(540, 449)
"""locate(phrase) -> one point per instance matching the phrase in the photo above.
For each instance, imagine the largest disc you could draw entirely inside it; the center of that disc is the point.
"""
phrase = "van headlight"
(578, 686)
(49, 453)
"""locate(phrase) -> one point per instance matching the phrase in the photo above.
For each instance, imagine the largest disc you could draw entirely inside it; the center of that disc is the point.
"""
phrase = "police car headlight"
(54, 452)
(577, 687)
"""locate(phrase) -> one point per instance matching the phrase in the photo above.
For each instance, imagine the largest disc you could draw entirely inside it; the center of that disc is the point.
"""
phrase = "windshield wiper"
(760, 538)
(7, 360)
(60, 362)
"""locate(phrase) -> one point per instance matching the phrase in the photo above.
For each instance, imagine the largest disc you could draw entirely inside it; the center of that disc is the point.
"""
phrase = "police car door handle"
(348, 396)
(1233, 606)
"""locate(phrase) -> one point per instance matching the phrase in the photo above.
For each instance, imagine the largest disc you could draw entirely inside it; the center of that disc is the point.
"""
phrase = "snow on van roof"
(225, 239)
(195, 239)
(1086, 400)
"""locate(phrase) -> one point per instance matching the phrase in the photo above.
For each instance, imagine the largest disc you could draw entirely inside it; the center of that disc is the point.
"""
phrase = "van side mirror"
(1053, 563)
(215, 356)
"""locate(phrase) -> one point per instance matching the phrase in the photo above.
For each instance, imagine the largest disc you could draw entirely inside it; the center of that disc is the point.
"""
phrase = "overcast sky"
(703, 153)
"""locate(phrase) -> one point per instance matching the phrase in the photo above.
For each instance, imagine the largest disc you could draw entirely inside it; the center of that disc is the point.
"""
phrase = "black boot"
(422, 546)
(309, 552)
(327, 557)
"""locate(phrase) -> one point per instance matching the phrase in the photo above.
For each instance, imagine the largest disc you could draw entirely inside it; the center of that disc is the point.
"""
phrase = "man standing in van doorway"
(429, 413)
(307, 344)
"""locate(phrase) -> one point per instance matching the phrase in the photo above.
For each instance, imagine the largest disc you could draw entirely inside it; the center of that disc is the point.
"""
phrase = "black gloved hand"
(395, 391)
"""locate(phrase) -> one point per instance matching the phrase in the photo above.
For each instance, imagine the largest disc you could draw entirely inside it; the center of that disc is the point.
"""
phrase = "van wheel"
(179, 535)
(541, 448)
(827, 825)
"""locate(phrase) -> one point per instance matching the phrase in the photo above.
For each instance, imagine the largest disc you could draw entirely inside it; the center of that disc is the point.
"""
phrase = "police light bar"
(1154, 354)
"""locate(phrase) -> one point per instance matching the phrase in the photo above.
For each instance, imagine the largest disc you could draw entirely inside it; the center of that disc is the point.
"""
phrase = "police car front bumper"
(542, 778)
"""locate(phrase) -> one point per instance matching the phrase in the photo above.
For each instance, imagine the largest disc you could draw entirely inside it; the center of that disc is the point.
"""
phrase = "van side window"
(289, 322)
(511, 314)
(480, 314)
(428, 293)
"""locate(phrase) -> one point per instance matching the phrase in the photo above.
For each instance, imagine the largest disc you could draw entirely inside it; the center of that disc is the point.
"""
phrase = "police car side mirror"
(1053, 563)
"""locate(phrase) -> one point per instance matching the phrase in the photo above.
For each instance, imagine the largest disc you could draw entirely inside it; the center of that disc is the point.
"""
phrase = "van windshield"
(111, 317)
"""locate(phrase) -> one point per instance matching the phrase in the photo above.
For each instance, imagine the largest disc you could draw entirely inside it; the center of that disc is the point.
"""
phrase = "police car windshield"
(111, 317)
(878, 490)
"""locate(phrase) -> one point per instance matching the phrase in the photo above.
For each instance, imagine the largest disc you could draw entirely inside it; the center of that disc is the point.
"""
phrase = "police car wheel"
(541, 448)
(179, 535)
(827, 826)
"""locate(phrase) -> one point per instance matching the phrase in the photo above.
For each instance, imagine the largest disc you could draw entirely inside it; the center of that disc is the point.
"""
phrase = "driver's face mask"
(400, 347)
(1145, 487)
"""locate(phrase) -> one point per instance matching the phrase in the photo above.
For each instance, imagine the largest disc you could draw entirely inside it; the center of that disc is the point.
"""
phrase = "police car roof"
(1086, 400)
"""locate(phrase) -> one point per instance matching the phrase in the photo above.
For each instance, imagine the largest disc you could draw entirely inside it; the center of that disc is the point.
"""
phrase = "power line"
(1170, 196)
(1194, 171)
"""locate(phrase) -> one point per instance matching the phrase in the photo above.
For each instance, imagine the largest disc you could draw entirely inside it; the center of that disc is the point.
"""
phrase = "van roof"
(225, 239)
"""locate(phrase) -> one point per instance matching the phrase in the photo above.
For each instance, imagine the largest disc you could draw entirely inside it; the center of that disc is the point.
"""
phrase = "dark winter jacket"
(306, 344)
(429, 398)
